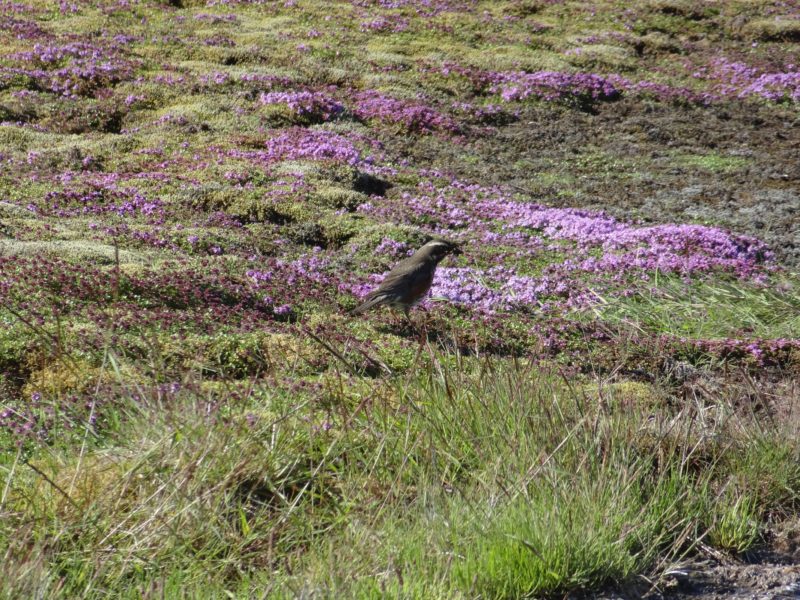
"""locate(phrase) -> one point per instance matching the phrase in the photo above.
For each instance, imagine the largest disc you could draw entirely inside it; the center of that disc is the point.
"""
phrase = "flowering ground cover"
(193, 193)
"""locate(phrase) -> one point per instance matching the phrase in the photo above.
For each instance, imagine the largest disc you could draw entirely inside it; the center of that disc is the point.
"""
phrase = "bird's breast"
(418, 288)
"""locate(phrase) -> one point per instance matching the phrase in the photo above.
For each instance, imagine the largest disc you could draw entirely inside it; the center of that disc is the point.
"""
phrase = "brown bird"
(410, 279)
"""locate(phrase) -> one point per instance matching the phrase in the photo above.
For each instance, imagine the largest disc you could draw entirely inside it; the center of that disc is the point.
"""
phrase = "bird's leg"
(396, 321)
(426, 317)
(426, 323)
(423, 331)
(409, 322)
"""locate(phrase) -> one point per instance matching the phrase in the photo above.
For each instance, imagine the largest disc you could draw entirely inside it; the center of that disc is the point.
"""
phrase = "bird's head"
(437, 249)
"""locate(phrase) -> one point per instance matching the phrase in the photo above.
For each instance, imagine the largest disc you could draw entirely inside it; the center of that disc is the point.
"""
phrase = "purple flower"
(553, 85)
(310, 104)
(411, 115)
(392, 248)
(283, 309)
(297, 143)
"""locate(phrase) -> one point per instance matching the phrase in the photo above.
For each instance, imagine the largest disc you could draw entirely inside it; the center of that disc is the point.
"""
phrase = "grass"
(709, 309)
(467, 477)
(713, 163)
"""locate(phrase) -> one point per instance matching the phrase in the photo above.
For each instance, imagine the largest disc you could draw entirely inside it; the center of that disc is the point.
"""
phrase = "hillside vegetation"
(598, 393)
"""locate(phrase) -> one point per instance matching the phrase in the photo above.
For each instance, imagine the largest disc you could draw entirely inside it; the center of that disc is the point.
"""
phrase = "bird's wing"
(406, 275)
(408, 279)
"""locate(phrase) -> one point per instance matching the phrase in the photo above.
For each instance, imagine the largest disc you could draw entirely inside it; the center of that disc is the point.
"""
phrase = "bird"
(410, 279)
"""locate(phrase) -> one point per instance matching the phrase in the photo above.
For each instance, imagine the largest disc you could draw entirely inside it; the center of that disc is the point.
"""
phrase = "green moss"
(16, 344)
(713, 162)
(335, 197)
(279, 115)
(603, 164)
(340, 175)
(602, 56)
(211, 197)
(657, 42)
(684, 8)
(80, 249)
(626, 394)
(773, 29)
(338, 229)
(295, 211)
(236, 356)
(670, 23)
(21, 139)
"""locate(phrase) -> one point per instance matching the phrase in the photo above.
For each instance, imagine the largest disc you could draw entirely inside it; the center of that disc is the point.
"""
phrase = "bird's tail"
(375, 300)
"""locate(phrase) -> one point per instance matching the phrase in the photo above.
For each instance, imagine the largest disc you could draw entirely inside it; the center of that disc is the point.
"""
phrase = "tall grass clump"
(466, 477)
(709, 309)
